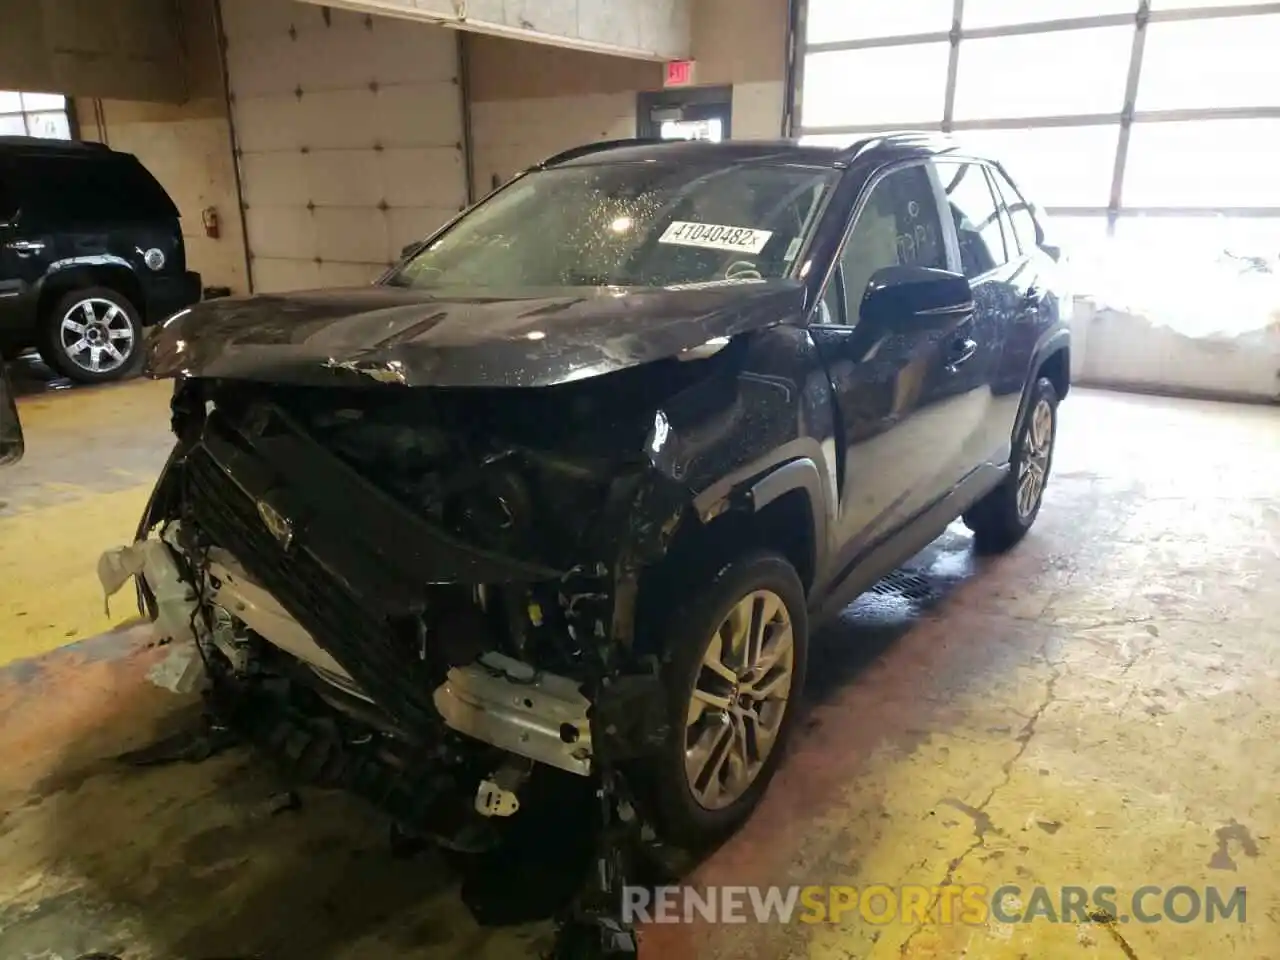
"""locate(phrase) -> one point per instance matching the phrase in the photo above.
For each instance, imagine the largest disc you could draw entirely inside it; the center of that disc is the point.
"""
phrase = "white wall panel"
(510, 135)
(349, 129)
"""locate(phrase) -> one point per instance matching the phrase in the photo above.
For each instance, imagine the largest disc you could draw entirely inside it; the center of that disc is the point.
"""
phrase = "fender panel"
(799, 474)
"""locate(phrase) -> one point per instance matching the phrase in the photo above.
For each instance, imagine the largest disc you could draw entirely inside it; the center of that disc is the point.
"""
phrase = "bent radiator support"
(509, 704)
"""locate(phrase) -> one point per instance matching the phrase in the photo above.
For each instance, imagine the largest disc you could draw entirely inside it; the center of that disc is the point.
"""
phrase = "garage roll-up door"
(349, 134)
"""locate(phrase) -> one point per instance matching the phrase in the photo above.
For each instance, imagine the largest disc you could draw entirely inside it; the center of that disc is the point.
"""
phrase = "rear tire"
(756, 677)
(92, 335)
(1002, 518)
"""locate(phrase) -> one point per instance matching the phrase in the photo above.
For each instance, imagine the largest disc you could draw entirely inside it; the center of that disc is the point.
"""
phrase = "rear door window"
(94, 189)
(973, 210)
(1020, 212)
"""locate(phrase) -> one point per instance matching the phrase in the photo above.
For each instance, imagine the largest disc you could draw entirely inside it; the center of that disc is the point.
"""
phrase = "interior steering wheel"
(742, 270)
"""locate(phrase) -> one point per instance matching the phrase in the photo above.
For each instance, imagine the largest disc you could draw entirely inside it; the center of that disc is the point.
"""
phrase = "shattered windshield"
(629, 224)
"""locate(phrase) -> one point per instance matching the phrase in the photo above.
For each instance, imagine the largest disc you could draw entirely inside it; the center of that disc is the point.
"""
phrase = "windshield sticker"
(792, 249)
(716, 236)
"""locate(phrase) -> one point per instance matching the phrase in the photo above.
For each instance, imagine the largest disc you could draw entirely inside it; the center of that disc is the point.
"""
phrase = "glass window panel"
(44, 101)
(995, 13)
(1032, 75)
(973, 210)
(897, 226)
(1054, 166)
(834, 20)
(888, 85)
(1205, 163)
(1018, 211)
(12, 125)
(10, 101)
(52, 125)
(1235, 64)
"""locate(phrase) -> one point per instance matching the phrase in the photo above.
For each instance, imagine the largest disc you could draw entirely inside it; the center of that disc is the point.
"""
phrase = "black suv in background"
(91, 251)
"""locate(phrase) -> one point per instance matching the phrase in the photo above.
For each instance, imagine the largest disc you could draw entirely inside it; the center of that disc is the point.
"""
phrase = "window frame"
(949, 224)
(1000, 179)
(835, 272)
(25, 114)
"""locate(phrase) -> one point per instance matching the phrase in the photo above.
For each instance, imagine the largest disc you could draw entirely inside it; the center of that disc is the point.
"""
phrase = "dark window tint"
(897, 226)
(1024, 221)
(8, 205)
(973, 209)
(106, 188)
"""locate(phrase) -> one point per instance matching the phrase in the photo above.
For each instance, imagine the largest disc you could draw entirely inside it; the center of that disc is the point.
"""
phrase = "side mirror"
(921, 295)
(11, 443)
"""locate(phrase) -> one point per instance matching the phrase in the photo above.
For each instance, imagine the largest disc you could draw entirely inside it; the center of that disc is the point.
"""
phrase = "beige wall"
(187, 147)
(529, 101)
(740, 41)
(743, 43)
(108, 48)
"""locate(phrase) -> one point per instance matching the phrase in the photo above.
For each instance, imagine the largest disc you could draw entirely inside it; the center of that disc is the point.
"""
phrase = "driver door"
(891, 381)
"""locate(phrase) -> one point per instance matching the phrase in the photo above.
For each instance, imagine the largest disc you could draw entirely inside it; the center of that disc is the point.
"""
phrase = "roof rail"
(49, 143)
(589, 148)
(932, 137)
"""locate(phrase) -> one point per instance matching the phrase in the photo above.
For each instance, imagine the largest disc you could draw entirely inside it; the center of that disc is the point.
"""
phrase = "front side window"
(630, 225)
(897, 226)
(973, 210)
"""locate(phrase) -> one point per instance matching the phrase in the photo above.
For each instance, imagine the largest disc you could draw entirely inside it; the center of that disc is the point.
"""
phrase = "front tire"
(733, 673)
(92, 335)
(1002, 518)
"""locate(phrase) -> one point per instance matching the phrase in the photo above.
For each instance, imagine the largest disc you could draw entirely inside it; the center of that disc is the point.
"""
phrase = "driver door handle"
(961, 352)
(24, 248)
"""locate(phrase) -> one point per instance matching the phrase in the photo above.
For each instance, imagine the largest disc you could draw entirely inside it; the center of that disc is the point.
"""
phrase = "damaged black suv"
(571, 485)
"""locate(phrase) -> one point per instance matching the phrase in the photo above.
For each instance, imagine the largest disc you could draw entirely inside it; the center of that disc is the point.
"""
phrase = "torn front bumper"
(497, 700)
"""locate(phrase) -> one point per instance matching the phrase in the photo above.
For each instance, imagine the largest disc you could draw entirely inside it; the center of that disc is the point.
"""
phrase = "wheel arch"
(781, 511)
(1051, 358)
(112, 273)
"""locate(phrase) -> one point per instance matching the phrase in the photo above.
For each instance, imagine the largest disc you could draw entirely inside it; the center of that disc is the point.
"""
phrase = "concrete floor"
(1097, 707)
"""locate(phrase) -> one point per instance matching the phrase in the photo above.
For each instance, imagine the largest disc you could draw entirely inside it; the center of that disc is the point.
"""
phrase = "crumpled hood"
(456, 338)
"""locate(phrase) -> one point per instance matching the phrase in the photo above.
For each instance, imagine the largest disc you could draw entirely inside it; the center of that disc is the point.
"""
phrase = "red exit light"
(679, 73)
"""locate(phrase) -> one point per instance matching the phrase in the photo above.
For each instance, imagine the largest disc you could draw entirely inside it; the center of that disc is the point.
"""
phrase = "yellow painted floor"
(1096, 708)
(92, 456)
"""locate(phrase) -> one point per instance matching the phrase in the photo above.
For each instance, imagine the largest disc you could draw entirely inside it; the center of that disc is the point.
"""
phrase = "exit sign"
(679, 73)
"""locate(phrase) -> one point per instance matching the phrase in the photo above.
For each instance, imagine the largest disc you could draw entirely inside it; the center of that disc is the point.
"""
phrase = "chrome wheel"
(96, 335)
(738, 700)
(1033, 470)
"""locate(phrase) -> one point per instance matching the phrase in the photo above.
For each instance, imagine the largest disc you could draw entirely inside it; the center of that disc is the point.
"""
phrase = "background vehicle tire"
(1003, 517)
(734, 674)
(92, 335)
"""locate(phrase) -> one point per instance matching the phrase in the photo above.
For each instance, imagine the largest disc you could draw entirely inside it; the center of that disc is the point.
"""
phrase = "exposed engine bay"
(435, 590)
